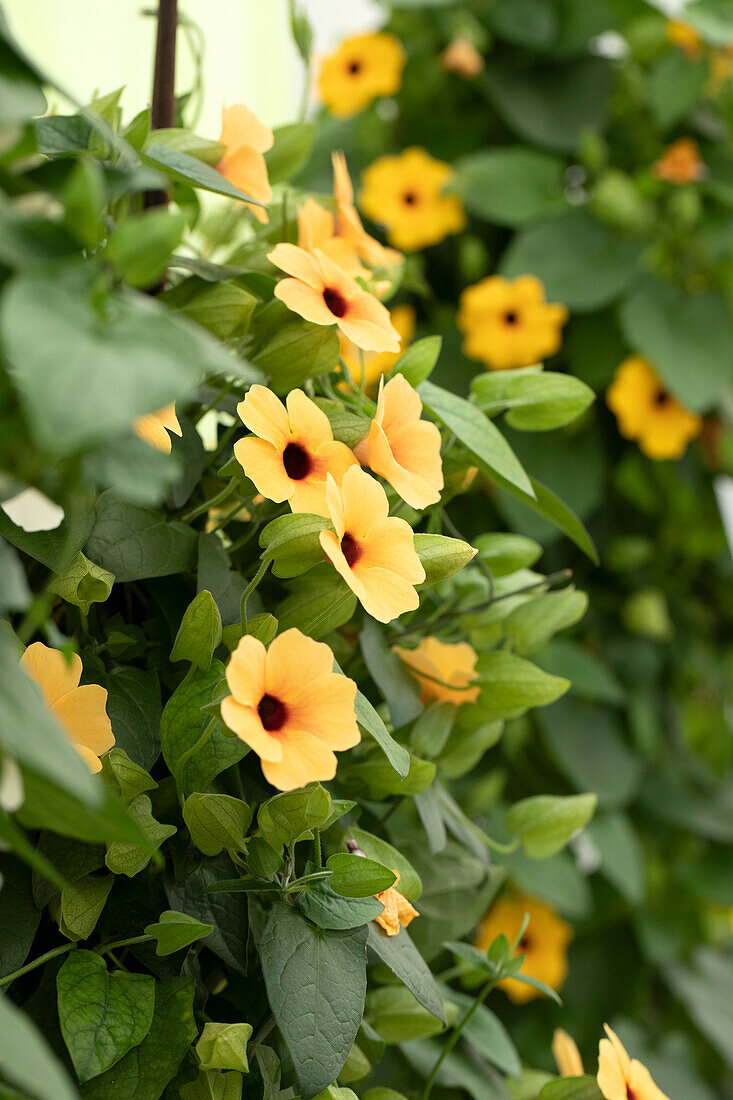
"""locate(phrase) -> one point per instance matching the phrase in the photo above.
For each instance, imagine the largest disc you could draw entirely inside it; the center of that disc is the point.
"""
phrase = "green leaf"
(126, 778)
(529, 23)
(505, 553)
(380, 778)
(347, 427)
(675, 85)
(27, 1059)
(686, 336)
(622, 855)
(536, 400)
(397, 1016)
(183, 168)
(174, 931)
(15, 595)
(216, 821)
(55, 549)
(552, 105)
(290, 150)
(399, 689)
(81, 905)
(704, 989)
(544, 823)
(213, 1085)
(531, 625)
(122, 335)
(572, 1088)
(511, 685)
(441, 556)
(320, 603)
(102, 1015)
(49, 750)
(405, 961)
(295, 352)
(225, 309)
(581, 263)
(210, 152)
(487, 1035)
(145, 1071)
(410, 883)
(418, 361)
(224, 1046)
(84, 200)
(129, 859)
(48, 806)
(369, 720)
(199, 633)
(134, 709)
(83, 583)
(712, 18)
(511, 186)
(545, 503)
(316, 983)
(190, 756)
(136, 543)
(357, 876)
(186, 884)
(327, 909)
(140, 246)
(19, 915)
(285, 817)
(477, 433)
(291, 542)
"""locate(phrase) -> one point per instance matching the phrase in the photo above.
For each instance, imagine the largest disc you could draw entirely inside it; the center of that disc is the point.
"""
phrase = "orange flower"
(80, 710)
(363, 67)
(443, 669)
(398, 912)
(566, 1054)
(461, 56)
(317, 230)
(402, 448)
(348, 223)
(290, 707)
(680, 163)
(378, 363)
(243, 164)
(373, 551)
(153, 427)
(621, 1077)
(647, 412)
(544, 943)
(321, 292)
(508, 323)
(291, 450)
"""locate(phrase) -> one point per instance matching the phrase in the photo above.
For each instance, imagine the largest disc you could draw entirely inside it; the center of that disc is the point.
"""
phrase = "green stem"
(212, 502)
(37, 962)
(251, 587)
(299, 883)
(317, 847)
(457, 1031)
(103, 948)
(185, 757)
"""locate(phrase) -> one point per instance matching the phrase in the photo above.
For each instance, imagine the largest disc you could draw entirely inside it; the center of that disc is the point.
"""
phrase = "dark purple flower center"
(272, 713)
(297, 461)
(661, 398)
(354, 67)
(410, 198)
(335, 301)
(350, 549)
(511, 318)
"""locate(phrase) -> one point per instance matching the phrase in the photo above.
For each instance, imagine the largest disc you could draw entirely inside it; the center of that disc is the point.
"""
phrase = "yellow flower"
(322, 292)
(290, 707)
(243, 164)
(621, 1077)
(79, 709)
(461, 56)
(153, 428)
(685, 37)
(363, 67)
(443, 670)
(566, 1054)
(291, 451)
(680, 163)
(507, 322)
(348, 223)
(373, 551)
(544, 943)
(317, 230)
(402, 448)
(377, 364)
(405, 194)
(648, 413)
(398, 912)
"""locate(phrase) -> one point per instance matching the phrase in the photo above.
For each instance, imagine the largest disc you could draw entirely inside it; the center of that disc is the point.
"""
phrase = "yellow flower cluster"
(508, 323)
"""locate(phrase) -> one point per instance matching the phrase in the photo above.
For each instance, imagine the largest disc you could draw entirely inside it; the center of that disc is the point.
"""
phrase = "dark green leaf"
(199, 633)
(406, 962)
(511, 186)
(183, 168)
(290, 150)
(357, 876)
(174, 931)
(135, 543)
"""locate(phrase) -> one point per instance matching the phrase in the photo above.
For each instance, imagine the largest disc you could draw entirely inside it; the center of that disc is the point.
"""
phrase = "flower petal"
(265, 415)
(390, 545)
(52, 672)
(263, 464)
(364, 501)
(298, 263)
(245, 722)
(245, 671)
(293, 661)
(241, 126)
(305, 760)
(83, 714)
(309, 425)
(386, 594)
(325, 708)
(304, 300)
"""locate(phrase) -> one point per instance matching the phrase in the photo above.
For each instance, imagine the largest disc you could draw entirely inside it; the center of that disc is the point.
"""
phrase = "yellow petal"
(52, 672)
(263, 465)
(245, 722)
(265, 415)
(83, 714)
(245, 672)
(305, 760)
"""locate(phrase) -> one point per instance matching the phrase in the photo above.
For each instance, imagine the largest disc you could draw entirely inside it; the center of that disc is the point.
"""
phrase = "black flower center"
(272, 713)
(335, 301)
(511, 318)
(661, 398)
(297, 462)
(354, 67)
(525, 944)
(630, 1093)
(350, 549)
(410, 198)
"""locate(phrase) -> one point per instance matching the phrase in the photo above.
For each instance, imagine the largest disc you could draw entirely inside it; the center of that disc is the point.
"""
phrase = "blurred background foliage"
(553, 143)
